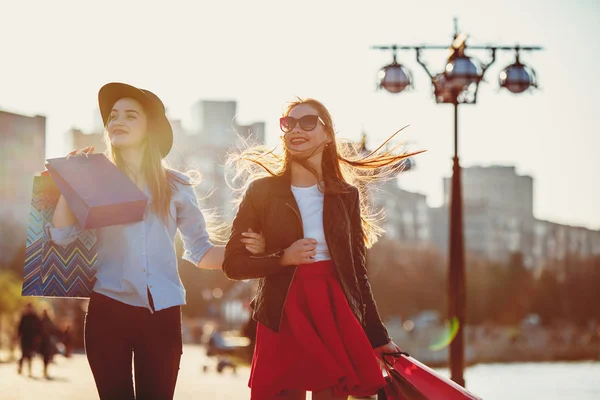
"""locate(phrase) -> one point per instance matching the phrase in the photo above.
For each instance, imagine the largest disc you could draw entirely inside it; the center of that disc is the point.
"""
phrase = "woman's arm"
(213, 258)
(374, 328)
(63, 217)
(239, 263)
(192, 226)
(197, 247)
(64, 228)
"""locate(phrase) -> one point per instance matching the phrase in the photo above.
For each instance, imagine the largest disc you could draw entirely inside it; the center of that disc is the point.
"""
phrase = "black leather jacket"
(270, 207)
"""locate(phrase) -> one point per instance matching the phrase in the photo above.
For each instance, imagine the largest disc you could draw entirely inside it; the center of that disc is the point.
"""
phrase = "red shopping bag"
(408, 379)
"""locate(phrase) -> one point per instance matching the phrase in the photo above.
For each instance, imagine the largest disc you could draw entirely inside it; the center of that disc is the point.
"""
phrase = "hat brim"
(153, 106)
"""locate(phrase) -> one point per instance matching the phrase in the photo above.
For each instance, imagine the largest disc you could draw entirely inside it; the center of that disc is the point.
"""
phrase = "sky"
(56, 55)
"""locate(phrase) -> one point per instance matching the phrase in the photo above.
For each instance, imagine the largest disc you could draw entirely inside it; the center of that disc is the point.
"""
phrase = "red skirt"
(320, 344)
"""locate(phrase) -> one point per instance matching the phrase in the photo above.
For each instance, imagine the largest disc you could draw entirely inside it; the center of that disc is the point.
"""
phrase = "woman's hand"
(255, 242)
(389, 348)
(86, 151)
(302, 251)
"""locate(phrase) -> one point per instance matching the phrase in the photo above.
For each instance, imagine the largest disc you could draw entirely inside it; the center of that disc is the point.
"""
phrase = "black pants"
(114, 331)
(27, 352)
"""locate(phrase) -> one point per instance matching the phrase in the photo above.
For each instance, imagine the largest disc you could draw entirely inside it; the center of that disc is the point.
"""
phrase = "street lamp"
(394, 77)
(457, 84)
(517, 77)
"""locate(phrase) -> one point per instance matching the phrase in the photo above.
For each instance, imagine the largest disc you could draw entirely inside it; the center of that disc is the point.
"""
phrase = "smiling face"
(127, 124)
(298, 140)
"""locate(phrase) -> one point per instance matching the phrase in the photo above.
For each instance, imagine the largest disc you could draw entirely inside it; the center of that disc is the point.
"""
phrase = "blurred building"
(215, 132)
(499, 220)
(80, 140)
(556, 243)
(489, 234)
(407, 216)
(498, 212)
(499, 188)
(23, 154)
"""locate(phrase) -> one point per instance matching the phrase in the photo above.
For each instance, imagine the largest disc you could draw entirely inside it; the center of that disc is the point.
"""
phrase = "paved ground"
(72, 379)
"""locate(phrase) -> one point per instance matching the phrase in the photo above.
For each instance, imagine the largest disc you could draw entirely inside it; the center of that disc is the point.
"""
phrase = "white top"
(310, 202)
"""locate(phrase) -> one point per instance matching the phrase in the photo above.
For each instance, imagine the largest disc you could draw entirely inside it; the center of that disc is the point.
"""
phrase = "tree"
(486, 287)
(12, 244)
(406, 280)
(547, 299)
(11, 301)
(581, 289)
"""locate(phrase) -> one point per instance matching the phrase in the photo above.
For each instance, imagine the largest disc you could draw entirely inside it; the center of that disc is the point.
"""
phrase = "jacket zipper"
(295, 268)
(344, 286)
(298, 215)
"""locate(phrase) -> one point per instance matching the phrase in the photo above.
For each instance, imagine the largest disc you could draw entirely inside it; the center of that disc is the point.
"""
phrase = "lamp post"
(457, 84)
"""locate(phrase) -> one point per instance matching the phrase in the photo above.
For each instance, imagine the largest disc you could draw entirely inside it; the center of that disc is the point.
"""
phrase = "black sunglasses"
(307, 123)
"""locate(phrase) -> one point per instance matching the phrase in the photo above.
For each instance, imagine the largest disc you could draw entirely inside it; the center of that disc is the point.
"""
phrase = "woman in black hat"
(135, 305)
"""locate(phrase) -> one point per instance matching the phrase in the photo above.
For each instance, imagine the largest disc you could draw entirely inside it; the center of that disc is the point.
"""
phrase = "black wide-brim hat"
(153, 106)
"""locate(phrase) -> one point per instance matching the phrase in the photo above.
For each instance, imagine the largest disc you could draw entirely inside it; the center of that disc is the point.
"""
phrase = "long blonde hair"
(342, 164)
(161, 179)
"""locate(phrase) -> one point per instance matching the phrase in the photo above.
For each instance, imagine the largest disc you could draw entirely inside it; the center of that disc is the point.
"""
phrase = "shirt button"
(144, 269)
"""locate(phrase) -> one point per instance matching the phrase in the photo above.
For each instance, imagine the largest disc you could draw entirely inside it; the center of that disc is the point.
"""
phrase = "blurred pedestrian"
(67, 340)
(48, 338)
(29, 332)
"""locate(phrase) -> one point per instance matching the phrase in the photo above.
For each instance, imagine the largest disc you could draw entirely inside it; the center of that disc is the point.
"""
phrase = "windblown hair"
(342, 163)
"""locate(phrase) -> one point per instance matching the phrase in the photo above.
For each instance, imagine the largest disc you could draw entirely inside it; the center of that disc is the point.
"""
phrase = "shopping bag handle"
(394, 355)
(397, 354)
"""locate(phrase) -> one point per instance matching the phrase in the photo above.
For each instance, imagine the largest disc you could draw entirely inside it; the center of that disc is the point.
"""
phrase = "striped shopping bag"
(53, 270)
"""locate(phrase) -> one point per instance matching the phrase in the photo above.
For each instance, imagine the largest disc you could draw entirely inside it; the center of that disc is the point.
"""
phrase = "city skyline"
(58, 64)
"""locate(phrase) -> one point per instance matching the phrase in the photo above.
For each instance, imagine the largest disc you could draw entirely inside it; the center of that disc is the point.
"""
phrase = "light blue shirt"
(138, 257)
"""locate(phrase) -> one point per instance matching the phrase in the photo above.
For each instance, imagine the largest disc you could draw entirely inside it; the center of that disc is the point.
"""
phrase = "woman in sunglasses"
(318, 325)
